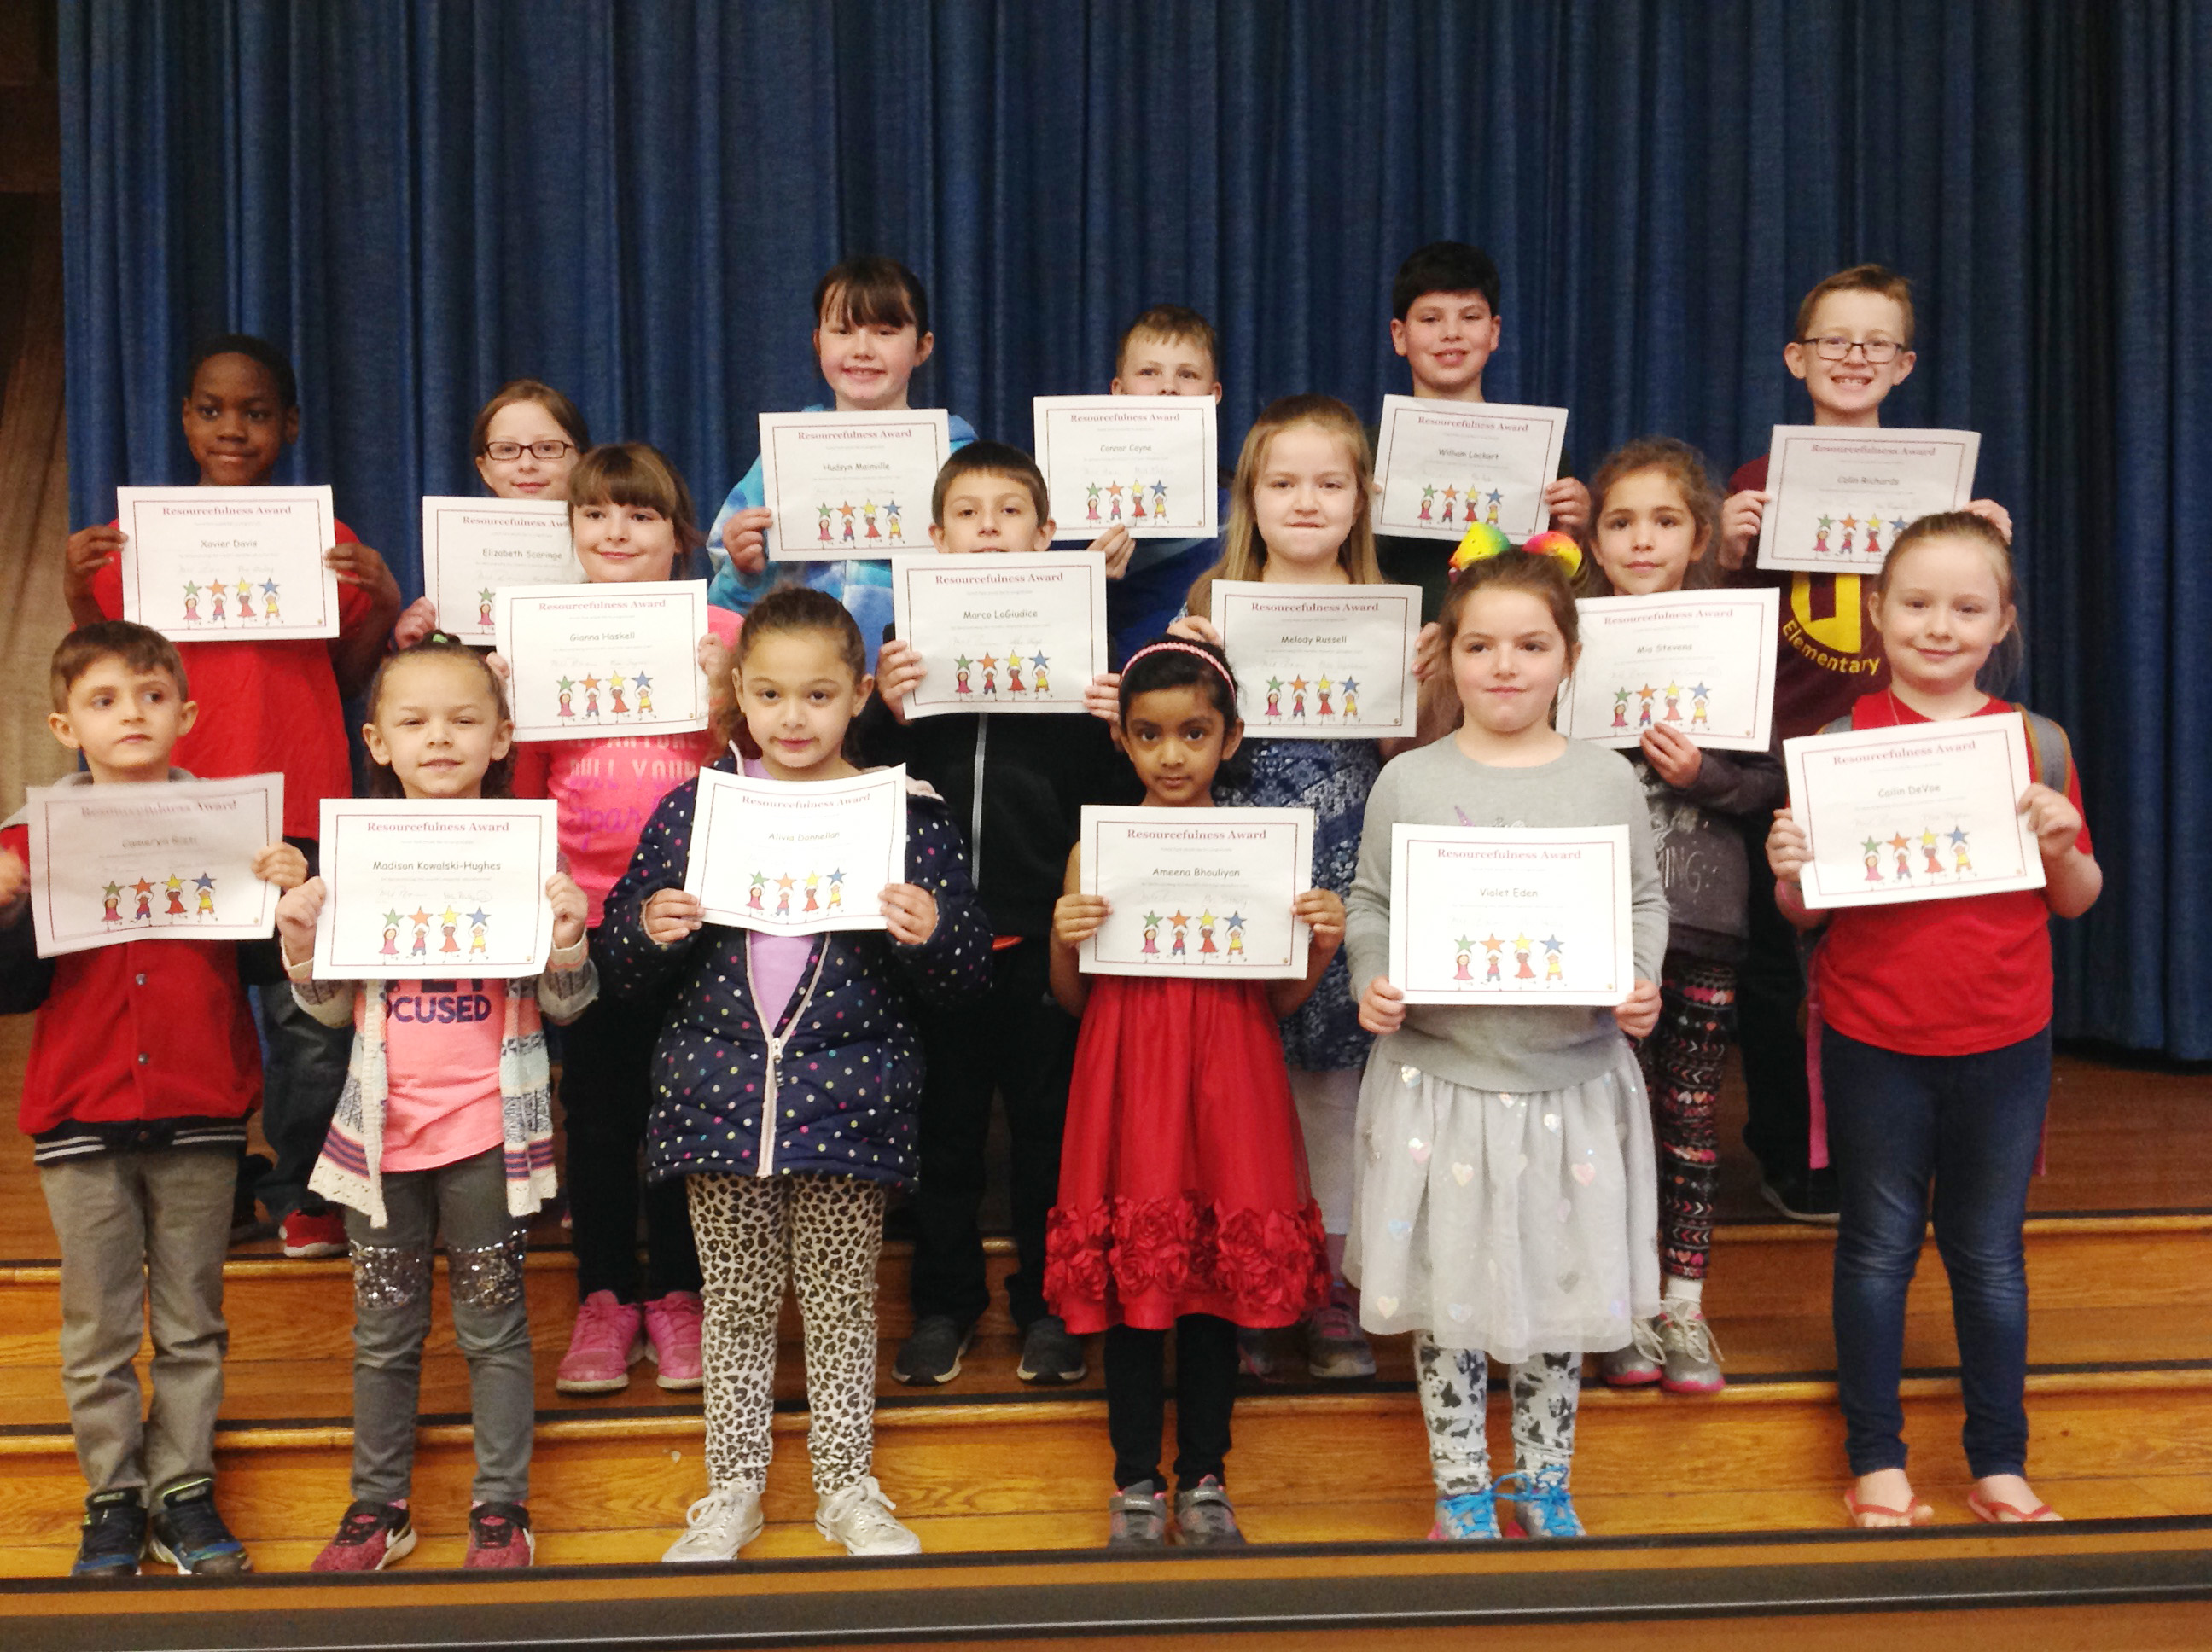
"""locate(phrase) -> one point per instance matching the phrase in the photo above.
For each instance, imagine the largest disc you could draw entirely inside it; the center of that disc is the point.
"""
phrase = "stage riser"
(303, 1310)
(1287, 1451)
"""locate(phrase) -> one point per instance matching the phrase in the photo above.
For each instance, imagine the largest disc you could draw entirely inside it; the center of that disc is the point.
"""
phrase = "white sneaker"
(859, 1517)
(719, 1525)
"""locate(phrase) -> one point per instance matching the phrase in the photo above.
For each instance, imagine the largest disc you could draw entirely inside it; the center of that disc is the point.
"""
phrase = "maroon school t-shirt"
(1828, 654)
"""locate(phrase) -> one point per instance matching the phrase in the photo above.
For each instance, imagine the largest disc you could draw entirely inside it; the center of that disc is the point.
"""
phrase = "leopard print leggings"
(1454, 1407)
(1681, 1062)
(825, 1234)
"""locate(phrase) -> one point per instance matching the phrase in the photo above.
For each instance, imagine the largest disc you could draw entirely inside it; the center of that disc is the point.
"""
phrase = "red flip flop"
(1919, 1514)
(1994, 1513)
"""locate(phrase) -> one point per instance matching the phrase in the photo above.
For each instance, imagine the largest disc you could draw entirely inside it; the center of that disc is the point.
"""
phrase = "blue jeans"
(1970, 1124)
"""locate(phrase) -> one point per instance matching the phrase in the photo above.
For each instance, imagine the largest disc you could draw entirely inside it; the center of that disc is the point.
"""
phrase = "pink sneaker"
(671, 1337)
(498, 1537)
(606, 1343)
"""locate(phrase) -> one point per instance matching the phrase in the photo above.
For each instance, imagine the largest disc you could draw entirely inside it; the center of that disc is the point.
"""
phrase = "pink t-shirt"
(778, 960)
(608, 789)
(441, 1042)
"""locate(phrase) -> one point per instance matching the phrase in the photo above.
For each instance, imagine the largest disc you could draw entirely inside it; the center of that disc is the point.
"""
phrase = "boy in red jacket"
(143, 1066)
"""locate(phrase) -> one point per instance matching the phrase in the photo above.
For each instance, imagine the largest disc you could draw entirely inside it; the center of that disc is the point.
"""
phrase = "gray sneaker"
(1137, 1517)
(932, 1354)
(1336, 1348)
(1694, 1359)
(1639, 1365)
(1204, 1519)
(1049, 1355)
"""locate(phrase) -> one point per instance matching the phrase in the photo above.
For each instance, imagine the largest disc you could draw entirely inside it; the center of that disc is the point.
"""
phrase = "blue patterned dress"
(1332, 778)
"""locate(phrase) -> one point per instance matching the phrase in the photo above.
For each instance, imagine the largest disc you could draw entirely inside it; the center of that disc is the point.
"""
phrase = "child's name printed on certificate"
(591, 660)
(1838, 498)
(1698, 662)
(136, 863)
(435, 888)
(1927, 812)
(850, 484)
(1510, 915)
(1441, 465)
(1320, 662)
(474, 549)
(1149, 464)
(228, 564)
(1018, 631)
(797, 857)
(1204, 893)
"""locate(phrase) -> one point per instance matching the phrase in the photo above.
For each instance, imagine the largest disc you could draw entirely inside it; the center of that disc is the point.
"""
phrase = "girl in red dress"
(1183, 1197)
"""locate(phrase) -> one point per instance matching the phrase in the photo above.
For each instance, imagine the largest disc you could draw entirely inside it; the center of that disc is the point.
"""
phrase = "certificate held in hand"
(1200, 893)
(1444, 465)
(1929, 811)
(1148, 464)
(1320, 662)
(1510, 915)
(593, 661)
(474, 549)
(228, 564)
(850, 484)
(1698, 662)
(1013, 631)
(797, 858)
(1840, 496)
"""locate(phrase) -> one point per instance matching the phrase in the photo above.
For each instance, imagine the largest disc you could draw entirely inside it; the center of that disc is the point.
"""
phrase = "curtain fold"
(633, 199)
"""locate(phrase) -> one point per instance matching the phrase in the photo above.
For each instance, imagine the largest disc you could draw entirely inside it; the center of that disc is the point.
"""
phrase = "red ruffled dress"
(1182, 1175)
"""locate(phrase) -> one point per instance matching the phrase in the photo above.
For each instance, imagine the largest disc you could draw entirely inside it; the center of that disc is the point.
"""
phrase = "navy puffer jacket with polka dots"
(830, 1084)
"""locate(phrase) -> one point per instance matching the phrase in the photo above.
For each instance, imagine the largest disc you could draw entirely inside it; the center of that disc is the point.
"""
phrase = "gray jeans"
(142, 1230)
(392, 1268)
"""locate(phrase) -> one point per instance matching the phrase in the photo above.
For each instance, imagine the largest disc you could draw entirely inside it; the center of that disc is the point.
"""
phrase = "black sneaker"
(1049, 1355)
(1803, 1195)
(189, 1534)
(932, 1354)
(246, 1221)
(1137, 1517)
(114, 1535)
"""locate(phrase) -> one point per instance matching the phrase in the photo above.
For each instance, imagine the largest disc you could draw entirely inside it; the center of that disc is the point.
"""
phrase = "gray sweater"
(1506, 1047)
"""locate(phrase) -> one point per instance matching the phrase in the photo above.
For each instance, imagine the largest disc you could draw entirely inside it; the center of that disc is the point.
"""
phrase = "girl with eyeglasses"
(526, 441)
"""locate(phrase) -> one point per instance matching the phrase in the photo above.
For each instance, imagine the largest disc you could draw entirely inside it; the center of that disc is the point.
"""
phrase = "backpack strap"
(2048, 749)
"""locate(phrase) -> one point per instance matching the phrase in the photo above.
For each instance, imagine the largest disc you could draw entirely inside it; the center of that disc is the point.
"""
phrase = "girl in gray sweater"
(1506, 1201)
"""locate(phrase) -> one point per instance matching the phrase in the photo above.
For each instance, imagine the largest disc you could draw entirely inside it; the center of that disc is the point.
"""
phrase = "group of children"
(1273, 1171)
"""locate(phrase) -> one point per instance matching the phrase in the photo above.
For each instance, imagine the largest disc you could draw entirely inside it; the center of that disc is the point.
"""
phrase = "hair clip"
(1483, 541)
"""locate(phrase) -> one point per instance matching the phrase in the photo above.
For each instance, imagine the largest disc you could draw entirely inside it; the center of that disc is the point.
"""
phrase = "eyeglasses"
(1878, 351)
(504, 451)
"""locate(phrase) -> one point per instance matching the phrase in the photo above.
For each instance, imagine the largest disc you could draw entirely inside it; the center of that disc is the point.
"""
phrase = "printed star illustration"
(142, 887)
(479, 918)
(449, 916)
(1700, 692)
(785, 881)
(1178, 919)
(392, 918)
(113, 891)
(202, 882)
(640, 681)
(1900, 842)
(1551, 945)
(1957, 834)
(419, 918)
(1492, 943)
(1235, 921)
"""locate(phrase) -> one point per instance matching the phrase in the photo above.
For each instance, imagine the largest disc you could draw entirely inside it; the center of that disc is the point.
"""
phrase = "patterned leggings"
(1454, 1406)
(823, 1232)
(1681, 1062)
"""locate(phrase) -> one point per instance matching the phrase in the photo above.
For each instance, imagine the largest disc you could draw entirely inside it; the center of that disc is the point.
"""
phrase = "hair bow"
(1483, 541)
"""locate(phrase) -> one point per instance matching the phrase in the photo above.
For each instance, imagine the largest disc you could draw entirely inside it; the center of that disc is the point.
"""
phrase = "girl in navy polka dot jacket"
(785, 1085)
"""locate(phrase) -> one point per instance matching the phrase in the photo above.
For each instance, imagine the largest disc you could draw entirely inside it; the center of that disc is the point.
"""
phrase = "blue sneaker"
(189, 1534)
(1542, 1505)
(114, 1535)
(1468, 1518)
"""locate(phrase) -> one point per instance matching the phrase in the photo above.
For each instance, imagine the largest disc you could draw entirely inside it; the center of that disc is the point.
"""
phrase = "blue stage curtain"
(634, 199)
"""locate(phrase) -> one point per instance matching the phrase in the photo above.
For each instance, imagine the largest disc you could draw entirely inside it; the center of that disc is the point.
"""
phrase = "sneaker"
(1266, 1355)
(1049, 1355)
(1469, 1517)
(371, 1536)
(609, 1338)
(498, 1538)
(1639, 1365)
(306, 1236)
(114, 1535)
(859, 1517)
(244, 1218)
(1542, 1504)
(671, 1339)
(1694, 1359)
(1203, 1518)
(1802, 1196)
(1336, 1348)
(189, 1534)
(932, 1354)
(717, 1526)
(1137, 1517)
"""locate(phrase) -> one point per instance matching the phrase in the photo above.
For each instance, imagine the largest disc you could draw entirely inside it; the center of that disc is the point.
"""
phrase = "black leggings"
(607, 1092)
(1136, 1399)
